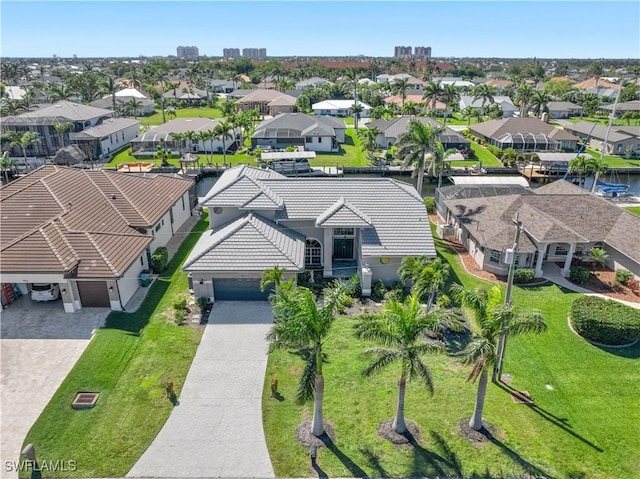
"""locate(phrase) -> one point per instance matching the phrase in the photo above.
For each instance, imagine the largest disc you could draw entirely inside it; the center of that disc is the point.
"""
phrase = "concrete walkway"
(179, 236)
(216, 428)
(551, 272)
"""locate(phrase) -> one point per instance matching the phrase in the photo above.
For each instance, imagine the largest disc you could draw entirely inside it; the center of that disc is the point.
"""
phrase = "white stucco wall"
(129, 283)
(118, 140)
(387, 272)
(324, 145)
(181, 211)
(161, 232)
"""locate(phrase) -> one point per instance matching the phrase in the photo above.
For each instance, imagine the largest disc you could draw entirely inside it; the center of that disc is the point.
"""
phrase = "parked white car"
(45, 291)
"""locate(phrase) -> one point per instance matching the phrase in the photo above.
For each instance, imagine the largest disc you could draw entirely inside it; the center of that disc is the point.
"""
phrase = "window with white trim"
(312, 253)
(561, 251)
(494, 257)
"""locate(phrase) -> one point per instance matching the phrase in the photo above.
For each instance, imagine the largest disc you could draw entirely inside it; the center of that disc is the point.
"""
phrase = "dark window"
(313, 253)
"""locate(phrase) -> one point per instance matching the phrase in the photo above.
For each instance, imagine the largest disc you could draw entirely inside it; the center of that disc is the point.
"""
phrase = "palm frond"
(525, 323)
(384, 358)
(422, 371)
(307, 382)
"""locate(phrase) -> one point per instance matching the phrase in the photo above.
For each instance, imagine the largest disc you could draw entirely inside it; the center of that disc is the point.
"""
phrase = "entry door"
(343, 248)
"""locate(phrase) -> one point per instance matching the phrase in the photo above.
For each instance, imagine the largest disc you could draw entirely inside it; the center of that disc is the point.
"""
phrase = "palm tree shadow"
(561, 422)
(426, 462)
(354, 469)
(529, 468)
(374, 461)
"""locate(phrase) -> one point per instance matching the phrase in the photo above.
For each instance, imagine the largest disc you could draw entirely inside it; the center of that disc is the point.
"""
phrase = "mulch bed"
(306, 439)
(481, 437)
(411, 436)
(604, 282)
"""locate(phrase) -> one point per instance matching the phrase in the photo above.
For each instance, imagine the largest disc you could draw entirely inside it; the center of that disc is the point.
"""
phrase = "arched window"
(313, 253)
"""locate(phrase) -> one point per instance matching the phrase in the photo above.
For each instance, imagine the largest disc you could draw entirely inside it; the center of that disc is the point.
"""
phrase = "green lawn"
(634, 209)
(585, 425)
(488, 159)
(201, 112)
(603, 120)
(350, 153)
(614, 161)
(129, 362)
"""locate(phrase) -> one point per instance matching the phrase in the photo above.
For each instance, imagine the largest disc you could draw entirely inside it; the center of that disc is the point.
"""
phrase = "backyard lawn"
(614, 161)
(488, 159)
(200, 112)
(129, 362)
(585, 421)
(634, 209)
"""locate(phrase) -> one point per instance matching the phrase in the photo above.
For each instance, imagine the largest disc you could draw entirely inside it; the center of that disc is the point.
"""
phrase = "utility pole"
(510, 258)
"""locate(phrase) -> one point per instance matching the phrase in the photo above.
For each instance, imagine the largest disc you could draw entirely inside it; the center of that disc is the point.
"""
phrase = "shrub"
(159, 259)
(578, 274)
(430, 204)
(622, 276)
(180, 303)
(378, 290)
(180, 315)
(443, 301)
(202, 302)
(633, 284)
(605, 321)
(523, 275)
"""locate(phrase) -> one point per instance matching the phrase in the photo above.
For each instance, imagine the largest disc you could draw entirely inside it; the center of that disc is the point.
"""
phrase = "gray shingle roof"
(600, 131)
(107, 127)
(343, 214)
(69, 110)
(397, 126)
(515, 126)
(251, 243)
(296, 125)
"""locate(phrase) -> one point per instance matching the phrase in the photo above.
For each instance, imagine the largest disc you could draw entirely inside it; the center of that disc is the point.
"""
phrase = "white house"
(340, 108)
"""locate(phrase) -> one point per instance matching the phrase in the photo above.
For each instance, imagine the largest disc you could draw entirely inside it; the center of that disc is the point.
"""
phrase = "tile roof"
(343, 214)
(504, 126)
(57, 219)
(295, 125)
(69, 110)
(106, 127)
(263, 95)
(591, 83)
(600, 131)
(397, 126)
(250, 243)
(238, 187)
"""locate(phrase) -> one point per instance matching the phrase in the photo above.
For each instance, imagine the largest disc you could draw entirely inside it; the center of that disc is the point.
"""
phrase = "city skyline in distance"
(505, 29)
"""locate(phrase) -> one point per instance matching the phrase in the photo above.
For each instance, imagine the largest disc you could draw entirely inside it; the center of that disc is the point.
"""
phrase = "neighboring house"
(267, 102)
(499, 84)
(591, 84)
(221, 86)
(619, 137)
(260, 219)
(391, 130)
(457, 82)
(563, 109)
(313, 81)
(146, 105)
(313, 133)
(162, 135)
(414, 83)
(110, 134)
(89, 231)
(440, 109)
(504, 102)
(339, 108)
(560, 222)
(524, 134)
(622, 108)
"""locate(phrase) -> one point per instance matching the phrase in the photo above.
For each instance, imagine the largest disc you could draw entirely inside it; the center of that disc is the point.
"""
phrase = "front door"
(343, 248)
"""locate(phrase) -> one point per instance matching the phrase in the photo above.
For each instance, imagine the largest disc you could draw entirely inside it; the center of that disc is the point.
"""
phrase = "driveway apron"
(216, 428)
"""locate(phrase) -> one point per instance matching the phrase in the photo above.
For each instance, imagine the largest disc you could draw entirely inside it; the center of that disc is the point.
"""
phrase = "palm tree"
(411, 108)
(598, 257)
(368, 140)
(355, 110)
(523, 98)
(484, 92)
(450, 96)
(427, 276)
(109, 87)
(60, 92)
(539, 102)
(274, 275)
(302, 323)
(23, 139)
(6, 165)
(134, 105)
(400, 331)
(163, 154)
(432, 93)
(222, 132)
(415, 144)
(467, 113)
(597, 166)
(400, 87)
(579, 165)
(490, 319)
(62, 128)
(438, 160)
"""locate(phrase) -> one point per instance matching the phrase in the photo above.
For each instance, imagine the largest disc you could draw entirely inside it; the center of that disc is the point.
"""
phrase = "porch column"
(567, 261)
(541, 250)
(328, 253)
(67, 293)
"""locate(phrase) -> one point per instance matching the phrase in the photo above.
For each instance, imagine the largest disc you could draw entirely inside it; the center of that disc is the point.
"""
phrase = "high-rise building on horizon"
(254, 53)
(402, 52)
(231, 53)
(187, 52)
(422, 53)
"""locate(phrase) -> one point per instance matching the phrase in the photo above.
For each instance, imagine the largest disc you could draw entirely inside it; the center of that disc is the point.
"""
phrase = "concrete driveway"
(216, 428)
(39, 346)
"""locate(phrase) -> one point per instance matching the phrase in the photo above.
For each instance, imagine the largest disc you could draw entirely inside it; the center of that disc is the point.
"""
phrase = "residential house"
(499, 84)
(595, 83)
(413, 82)
(313, 81)
(618, 138)
(267, 102)
(563, 109)
(457, 82)
(560, 222)
(89, 231)
(391, 130)
(313, 133)
(415, 96)
(623, 107)
(340, 108)
(95, 130)
(260, 219)
(504, 102)
(162, 135)
(524, 134)
(146, 106)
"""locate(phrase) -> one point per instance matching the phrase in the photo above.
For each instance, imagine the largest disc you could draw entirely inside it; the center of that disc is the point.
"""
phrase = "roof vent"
(113, 196)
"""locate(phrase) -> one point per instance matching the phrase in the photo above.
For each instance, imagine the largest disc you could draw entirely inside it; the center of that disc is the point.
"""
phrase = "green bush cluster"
(378, 290)
(605, 321)
(523, 275)
(430, 204)
(159, 259)
(578, 274)
(622, 276)
(180, 303)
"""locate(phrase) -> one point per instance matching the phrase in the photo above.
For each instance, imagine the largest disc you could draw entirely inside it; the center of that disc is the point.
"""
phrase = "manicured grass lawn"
(129, 362)
(634, 209)
(203, 112)
(585, 425)
(350, 154)
(614, 161)
(603, 120)
(488, 158)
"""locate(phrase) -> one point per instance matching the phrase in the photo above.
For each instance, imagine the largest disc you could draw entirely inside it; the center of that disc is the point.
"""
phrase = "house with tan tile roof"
(92, 232)
(334, 226)
(267, 102)
(524, 134)
(561, 222)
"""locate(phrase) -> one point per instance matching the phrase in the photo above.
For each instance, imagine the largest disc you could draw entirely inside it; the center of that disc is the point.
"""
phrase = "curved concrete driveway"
(216, 429)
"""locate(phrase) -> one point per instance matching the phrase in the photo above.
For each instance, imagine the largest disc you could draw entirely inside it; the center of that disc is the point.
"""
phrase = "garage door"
(93, 294)
(238, 289)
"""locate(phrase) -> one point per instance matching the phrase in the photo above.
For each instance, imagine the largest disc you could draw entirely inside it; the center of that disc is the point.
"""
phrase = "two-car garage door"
(238, 289)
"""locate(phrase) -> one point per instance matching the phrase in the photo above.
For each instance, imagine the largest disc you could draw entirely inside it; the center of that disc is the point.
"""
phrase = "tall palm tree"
(467, 113)
(109, 86)
(484, 92)
(432, 93)
(23, 139)
(597, 166)
(414, 146)
(355, 110)
(539, 102)
(579, 165)
(178, 138)
(438, 159)
(7, 165)
(490, 319)
(400, 330)
(222, 131)
(134, 105)
(400, 87)
(61, 92)
(368, 140)
(411, 108)
(302, 323)
(62, 128)
(523, 98)
(450, 96)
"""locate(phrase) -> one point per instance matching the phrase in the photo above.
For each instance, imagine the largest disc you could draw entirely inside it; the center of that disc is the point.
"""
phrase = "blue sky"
(548, 29)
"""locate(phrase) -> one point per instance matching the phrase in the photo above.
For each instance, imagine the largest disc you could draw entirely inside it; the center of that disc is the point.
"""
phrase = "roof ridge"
(53, 249)
(252, 217)
(64, 238)
(100, 252)
(237, 224)
(124, 195)
(104, 196)
(550, 218)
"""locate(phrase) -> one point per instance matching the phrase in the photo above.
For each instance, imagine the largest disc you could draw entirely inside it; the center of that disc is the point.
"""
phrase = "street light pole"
(511, 256)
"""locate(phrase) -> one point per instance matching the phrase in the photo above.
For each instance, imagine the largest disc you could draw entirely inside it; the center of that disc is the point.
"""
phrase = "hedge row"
(605, 321)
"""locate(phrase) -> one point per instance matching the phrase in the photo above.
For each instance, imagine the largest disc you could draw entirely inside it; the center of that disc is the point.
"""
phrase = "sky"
(503, 29)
